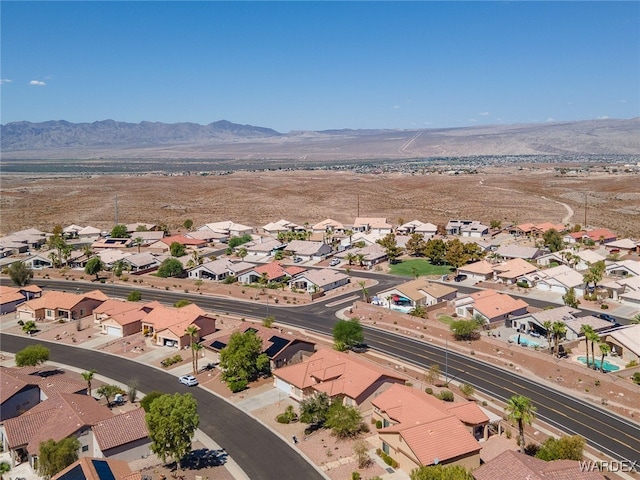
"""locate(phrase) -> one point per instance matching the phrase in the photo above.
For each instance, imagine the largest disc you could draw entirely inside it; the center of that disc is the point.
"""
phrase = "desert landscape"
(509, 193)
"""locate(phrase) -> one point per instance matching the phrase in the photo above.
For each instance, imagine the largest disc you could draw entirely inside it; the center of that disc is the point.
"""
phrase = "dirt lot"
(504, 193)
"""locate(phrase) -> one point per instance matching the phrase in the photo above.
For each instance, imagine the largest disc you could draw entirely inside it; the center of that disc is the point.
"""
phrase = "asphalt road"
(256, 449)
(609, 433)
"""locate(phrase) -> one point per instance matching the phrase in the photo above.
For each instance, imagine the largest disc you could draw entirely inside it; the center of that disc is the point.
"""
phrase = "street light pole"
(446, 360)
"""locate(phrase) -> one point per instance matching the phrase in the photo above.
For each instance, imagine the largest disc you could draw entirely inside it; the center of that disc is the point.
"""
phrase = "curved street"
(609, 433)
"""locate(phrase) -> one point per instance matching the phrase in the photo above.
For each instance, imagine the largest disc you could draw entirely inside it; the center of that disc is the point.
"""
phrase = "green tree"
(416, 245)
(237, 241)
(137, 242)
(268, 321)
(314, 409)
(436, 250)
(88, 377)
(196, 348)
(183, 302)
(570, 298)
(441, 472)
(520, 410)
(467, 389)
(32, 356)
(433, 374)
(177, 249)
(365, 293)
(635, 319)
(170, 267)
(344, 421)
(188, 223)
(108, 392)
(172, 421)
(5, 467)
(119, 231)
(347, 334)
(473, 252)
(594, 274)
(465, 329)
(242, 359)
(53, 457)
(390, 244)
(134, 296)
(350, 257)
(495, 224)
(20, 273)
(547, 324)
(553, 240)
(94, 266)
(455, 254)
(278, 255)
(149, 398)
(563, 448)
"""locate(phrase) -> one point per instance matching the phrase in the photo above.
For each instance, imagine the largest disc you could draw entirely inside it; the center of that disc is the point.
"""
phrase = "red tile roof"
(335, 373)
(121, 429)
(275, 270)
(119, 468)
(183, 240)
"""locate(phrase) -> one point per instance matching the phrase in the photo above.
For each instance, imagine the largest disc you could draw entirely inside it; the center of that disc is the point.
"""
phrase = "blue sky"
(320, 65)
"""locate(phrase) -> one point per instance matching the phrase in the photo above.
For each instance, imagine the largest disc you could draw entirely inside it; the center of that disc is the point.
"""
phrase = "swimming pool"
(524, 341)
(608, 367)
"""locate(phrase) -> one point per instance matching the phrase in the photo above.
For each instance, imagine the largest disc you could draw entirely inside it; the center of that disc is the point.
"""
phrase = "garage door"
(283, 386)
(115, 331)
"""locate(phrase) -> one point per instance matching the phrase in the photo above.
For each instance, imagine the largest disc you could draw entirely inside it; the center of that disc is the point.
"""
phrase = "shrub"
(446, 395)
(428, 390)
(378, 424)
(636, 378)
(288, 416)
(632, 363)
(604, 306)
(237, 385)
(134, 296)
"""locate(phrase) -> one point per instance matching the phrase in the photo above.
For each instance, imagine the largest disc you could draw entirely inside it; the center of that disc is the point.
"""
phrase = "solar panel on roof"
(103, 470)
(75, 473)
(218, 345)
(277, 344)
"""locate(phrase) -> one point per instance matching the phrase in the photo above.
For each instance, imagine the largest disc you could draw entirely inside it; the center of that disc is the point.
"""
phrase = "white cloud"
(396, 106)
(5, 80)
(473, 120)
(551, 119)
(603, 117)
(37, 83)
(484, 114)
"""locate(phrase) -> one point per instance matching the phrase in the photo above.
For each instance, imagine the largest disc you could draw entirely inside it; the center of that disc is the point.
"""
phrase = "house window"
(82, 314)
(49, 313)
(385, 448)
(85, 448)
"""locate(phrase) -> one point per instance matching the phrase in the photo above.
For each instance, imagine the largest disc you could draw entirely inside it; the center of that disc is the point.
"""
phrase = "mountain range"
(110, 139)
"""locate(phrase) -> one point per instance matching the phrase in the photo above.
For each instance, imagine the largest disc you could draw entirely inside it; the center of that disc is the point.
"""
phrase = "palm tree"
(87, 251)
(547, 324)
(559, 330)
(365, 292)
(88, 376)
(635, 320)
(138, 242)
(519, 409)
(360, 259)
(195, 349)
(349, 233)
(604, 349)
(350, 257)
(586, 330)
(192, 331)
(593, 338)
(263, 281)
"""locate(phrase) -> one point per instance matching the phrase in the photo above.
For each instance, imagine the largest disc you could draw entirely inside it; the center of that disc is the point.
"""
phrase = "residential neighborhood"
(497, 287)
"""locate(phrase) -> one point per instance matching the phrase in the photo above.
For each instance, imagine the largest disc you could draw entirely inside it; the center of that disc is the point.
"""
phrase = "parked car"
(334, 262)
(459, 278)
(607, 317)
(297, 260)
(188, 380)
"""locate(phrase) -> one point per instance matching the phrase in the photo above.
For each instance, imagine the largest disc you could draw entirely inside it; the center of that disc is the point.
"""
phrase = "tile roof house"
(624, 244)
(88, 468)
(600, 236)
(427, 230)
(511, 465)
(274, 228)
(372, 254)
(558, 279)
(274, 271)
(228, 228)
(208, 235)
(308, 250)
(263, 247)
(60, 416)
(372, 225)
(60, 306)
(419, 429)
(124, 436)
(216, 270)
(509, 272)
(623, 268)
(328, 226)
(281, 348)
(164, 245)
(626, 343)
(494, 307)
(17, 395)
(319, 280)
(534, 321)
(168, 325)
(126, 319)
(11, 297)
(480, 270)
(139, 262)
(49, 380)
(518, 251)
(147, 237)
(338, 374)
(134, 228)
(111, 243)
(416, 292)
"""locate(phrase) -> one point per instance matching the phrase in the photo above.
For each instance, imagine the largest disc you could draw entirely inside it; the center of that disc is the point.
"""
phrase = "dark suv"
(459, 278)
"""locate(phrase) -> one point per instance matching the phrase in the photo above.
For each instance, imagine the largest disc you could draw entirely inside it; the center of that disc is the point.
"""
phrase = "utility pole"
(116, 212)
(585, 210)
